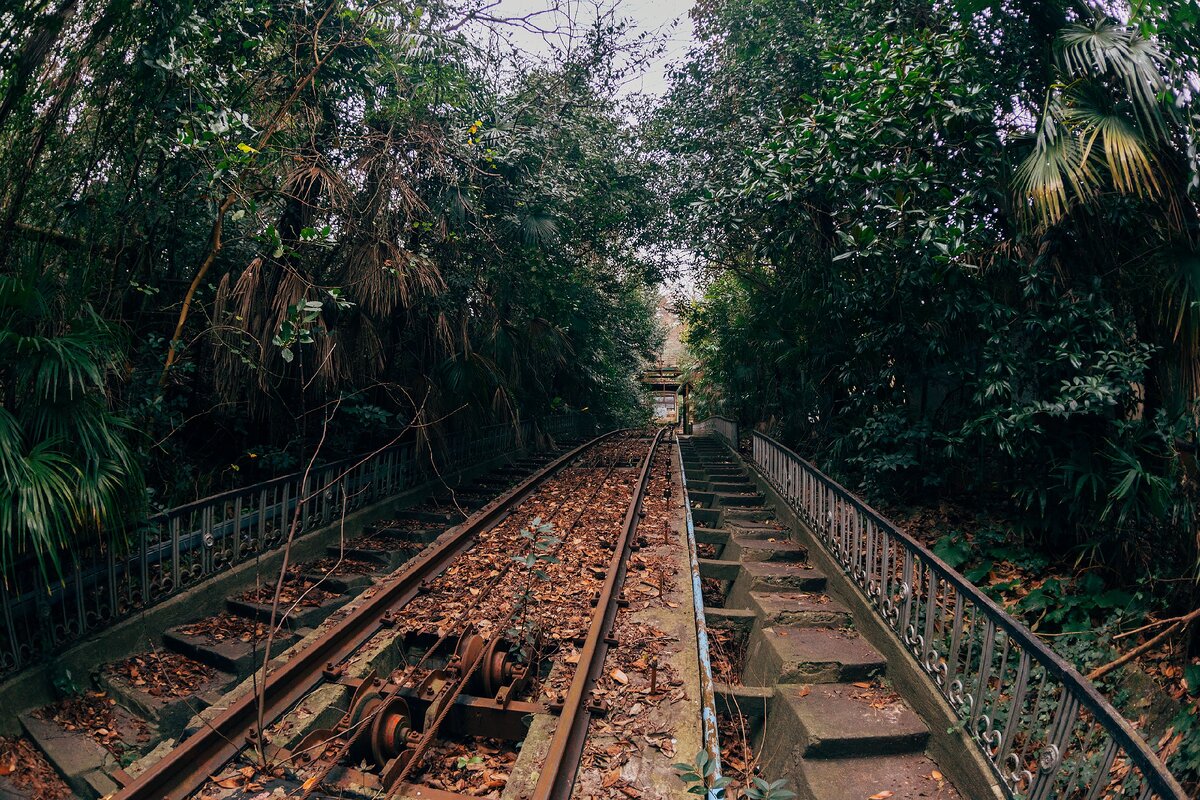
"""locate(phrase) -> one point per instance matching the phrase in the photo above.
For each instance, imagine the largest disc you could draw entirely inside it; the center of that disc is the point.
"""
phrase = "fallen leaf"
(804, 691)
(937, 776)
(863, 685)
(884, 795)
(620, 677)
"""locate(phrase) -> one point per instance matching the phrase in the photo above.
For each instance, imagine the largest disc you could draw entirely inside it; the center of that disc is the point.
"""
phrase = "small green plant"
(760, 789)
(65, 683)
(464, 762)
(540, 542)
(701, 778)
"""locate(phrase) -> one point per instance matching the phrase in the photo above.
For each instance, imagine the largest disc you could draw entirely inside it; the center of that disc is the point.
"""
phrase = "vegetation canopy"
(950, 251)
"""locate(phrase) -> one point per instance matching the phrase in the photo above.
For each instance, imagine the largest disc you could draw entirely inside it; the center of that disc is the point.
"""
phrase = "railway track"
(499, 625)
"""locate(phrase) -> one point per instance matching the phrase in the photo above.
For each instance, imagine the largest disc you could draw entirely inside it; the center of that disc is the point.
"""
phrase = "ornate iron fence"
(724, 427)
(1045, 730)
(179, 548)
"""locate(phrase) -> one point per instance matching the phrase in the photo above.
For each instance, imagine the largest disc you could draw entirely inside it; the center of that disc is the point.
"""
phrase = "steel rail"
(557, 776)
(564, 534)
(176, 549)
(188, 766)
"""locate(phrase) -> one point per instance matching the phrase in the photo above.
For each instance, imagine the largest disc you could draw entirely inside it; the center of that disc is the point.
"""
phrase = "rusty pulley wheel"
(387, 722)
(469, 647)
(495, 668)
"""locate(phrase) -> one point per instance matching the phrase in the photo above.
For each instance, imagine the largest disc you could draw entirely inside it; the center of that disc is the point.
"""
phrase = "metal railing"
(1045, 730)
(724, 427)
(183, 546)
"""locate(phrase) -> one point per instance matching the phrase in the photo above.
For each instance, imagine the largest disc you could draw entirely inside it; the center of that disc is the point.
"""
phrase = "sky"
(669, 17)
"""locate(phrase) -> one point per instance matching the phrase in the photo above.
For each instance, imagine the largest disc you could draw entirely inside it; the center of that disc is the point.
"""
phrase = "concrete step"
(296, 616)
(731, 500)
(765, 545)
(721, 569)
(790, 654)
(442, 518)
(836, 720)
(736, 487)
(711, 535)
(907, 776)
(798, 609)
(354, 574)
(748, 517)
(77, 757)
(169, 710)
(400, 536)
(773, 576)
(388, 560)
(236, 655)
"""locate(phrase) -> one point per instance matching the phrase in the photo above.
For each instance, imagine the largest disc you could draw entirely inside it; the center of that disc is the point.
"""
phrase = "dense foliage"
(951, 252)
(954, 251)
(221, 220)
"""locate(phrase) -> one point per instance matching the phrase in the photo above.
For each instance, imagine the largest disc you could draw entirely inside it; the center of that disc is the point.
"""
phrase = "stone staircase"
(813, 694)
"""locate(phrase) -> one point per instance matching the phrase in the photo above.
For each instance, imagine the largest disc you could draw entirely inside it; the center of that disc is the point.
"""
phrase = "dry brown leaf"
(884, 795)
(937, 776)
(620, 677)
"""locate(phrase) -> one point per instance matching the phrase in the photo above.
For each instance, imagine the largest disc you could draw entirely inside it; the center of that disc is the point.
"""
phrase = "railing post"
(981, 660)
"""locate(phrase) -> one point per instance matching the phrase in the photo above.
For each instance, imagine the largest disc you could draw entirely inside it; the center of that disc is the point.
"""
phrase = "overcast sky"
(668, 17)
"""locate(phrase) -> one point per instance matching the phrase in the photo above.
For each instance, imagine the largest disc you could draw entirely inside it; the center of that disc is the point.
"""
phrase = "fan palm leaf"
(1102, 122)
(67, 468)
(1107, 49)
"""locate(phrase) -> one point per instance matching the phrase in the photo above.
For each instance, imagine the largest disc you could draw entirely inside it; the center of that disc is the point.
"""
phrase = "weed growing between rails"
(701, 779)
(541, 545)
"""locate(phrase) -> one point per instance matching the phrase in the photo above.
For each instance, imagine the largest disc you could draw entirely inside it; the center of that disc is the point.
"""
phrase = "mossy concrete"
(949, 745)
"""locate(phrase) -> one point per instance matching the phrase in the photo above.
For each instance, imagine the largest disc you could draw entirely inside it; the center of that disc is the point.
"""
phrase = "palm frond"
(1107, 49)
(1128, 156)
(1057, 170)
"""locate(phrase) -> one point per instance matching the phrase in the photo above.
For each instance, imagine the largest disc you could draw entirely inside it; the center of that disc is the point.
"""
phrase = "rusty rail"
(173, 551)
(186, 768)
(557, 776)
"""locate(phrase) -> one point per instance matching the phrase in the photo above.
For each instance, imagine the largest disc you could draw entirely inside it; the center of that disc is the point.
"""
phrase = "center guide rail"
(384, 720)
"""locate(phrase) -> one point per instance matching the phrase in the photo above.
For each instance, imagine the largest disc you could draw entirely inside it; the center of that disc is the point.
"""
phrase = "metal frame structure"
(1045, 730)
(179, 548)
(186, 768)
